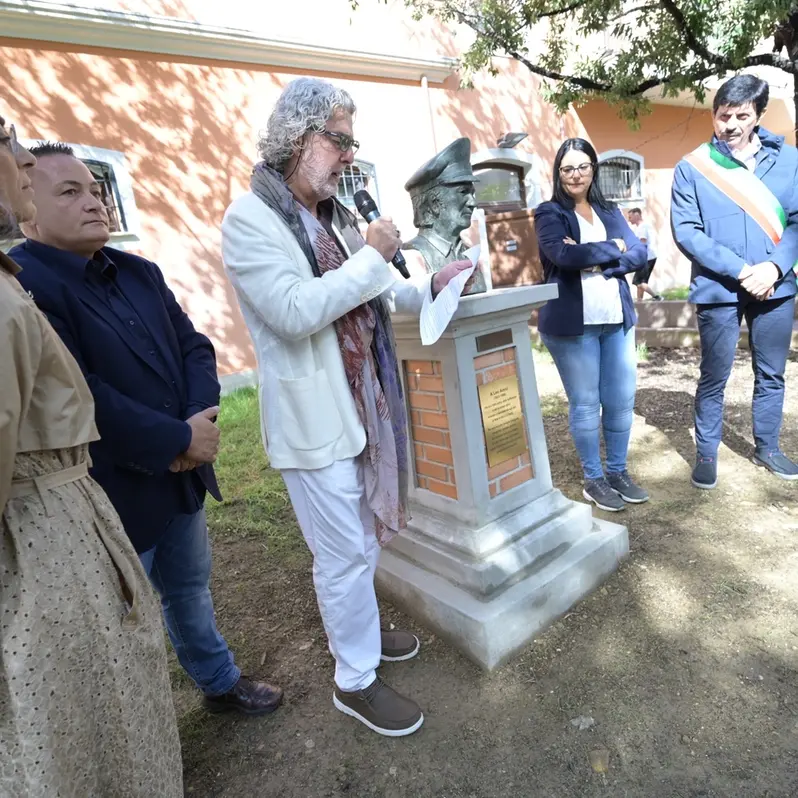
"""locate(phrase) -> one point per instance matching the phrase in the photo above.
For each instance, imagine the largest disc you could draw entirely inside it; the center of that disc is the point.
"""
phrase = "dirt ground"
(686, 661)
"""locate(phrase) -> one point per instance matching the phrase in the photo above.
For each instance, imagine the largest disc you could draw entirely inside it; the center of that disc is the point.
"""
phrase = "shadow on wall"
(511, 101)
(189, 138)
(188, 129)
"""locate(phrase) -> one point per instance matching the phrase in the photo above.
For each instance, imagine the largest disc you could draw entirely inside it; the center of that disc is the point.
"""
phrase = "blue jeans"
(769, 333)
(598, 370)
(179, 568)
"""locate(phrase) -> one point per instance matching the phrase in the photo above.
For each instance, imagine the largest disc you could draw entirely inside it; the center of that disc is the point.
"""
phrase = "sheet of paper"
(436, 315)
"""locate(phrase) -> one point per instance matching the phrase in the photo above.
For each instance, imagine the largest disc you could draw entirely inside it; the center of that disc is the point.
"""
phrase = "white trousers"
(330, 505)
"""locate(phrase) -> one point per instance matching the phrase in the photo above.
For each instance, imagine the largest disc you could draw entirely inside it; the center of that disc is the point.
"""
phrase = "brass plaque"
(502, 420)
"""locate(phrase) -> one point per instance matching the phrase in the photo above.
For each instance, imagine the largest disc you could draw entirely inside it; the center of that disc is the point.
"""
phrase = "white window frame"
(361, 163)
(632, 156)
(529, 162)
(124, 183)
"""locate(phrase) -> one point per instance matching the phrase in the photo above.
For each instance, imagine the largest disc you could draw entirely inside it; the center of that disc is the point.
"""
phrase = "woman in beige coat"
(85, 704)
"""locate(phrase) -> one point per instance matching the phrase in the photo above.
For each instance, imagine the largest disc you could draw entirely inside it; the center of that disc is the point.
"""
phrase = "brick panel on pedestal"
(429, 427)
(517, 470)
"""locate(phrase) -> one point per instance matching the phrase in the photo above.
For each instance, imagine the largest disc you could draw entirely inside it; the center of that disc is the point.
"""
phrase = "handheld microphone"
(367, 208)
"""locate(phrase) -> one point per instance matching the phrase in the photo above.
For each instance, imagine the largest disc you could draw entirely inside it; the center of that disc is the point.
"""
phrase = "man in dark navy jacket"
(153, 377)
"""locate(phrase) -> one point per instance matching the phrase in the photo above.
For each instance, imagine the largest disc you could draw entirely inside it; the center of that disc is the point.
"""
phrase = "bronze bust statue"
(442, 193)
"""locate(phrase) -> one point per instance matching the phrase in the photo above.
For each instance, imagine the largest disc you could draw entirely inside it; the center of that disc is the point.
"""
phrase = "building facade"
(164, 100)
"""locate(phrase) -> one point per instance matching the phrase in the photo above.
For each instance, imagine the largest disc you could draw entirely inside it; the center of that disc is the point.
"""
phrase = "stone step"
(514, 552)
(676, 313)
(674, 337)
(669, 314)
(490, 631)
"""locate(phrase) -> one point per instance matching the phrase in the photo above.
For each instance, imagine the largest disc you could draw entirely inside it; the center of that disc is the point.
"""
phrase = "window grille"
(620, 179)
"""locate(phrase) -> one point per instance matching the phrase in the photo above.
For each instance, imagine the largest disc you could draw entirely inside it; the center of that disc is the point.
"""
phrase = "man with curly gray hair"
(315, 297)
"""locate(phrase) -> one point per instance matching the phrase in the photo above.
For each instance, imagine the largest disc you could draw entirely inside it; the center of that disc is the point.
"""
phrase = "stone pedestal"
(494, 553)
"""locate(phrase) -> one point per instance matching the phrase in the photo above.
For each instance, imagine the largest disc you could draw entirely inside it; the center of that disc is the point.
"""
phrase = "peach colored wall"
(189, 131)
(377, 26)
(189, 127)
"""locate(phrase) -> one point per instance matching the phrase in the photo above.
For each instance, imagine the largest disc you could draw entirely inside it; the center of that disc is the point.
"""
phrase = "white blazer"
(308, 415)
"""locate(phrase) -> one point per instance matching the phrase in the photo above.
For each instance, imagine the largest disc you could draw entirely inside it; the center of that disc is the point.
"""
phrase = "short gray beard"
(318, 177)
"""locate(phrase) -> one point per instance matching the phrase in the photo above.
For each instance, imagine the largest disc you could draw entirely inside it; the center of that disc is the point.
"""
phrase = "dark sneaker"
(622, 484)
(398, 646)
(380, 708)
(777, 464)
(251, 698)
(658, 298)
(705, 473)
(603, 496)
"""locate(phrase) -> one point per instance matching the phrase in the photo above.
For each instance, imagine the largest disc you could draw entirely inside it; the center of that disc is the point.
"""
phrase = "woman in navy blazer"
(587, 248)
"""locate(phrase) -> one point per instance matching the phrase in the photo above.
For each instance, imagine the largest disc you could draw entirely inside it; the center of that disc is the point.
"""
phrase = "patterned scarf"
(368, 350)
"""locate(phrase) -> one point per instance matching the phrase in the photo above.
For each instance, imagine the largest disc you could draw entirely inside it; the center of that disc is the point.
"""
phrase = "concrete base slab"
(490, 629)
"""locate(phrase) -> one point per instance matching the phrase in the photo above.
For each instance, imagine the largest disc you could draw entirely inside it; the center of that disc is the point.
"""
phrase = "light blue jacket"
(719, 238)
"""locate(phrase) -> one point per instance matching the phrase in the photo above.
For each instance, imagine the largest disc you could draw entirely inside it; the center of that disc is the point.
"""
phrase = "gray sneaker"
(705, 473)
(603, 496)
(380, 708)
(622, 484)
(777, 464)
(398, 646)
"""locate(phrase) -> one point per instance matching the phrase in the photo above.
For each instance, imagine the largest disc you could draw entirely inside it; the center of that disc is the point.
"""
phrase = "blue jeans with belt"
(598, 370)
(769, 334)
(179, 568)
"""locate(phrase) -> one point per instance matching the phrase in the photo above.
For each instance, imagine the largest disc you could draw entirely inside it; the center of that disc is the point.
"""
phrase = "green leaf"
(612, 49)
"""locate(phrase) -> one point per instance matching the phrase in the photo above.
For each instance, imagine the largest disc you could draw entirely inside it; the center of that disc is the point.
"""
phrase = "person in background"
(85, 703)
(734, 214)
(153, 378)
(587, 249)
(642, 276)
(315, 297)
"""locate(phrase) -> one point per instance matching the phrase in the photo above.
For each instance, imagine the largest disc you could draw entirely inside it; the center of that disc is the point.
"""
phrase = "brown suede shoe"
(397, 646)
(380, 708)
(251, 698)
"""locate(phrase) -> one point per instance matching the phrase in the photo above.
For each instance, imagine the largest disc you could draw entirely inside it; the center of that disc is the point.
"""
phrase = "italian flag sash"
(742, 187)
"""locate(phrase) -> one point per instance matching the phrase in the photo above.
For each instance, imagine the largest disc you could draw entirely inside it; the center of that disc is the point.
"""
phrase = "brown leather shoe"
(380, 708)
(397, 646)
(251, 698)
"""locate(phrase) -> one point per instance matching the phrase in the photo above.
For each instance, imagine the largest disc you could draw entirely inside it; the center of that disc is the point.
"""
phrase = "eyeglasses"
(12, 142)
(584, 170)
(342, 141)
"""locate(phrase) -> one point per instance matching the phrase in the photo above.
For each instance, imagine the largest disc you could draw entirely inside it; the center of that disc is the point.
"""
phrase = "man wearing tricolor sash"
(734, 214)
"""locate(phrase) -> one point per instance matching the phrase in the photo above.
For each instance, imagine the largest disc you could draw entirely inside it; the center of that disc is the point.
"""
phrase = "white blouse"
(601, 298)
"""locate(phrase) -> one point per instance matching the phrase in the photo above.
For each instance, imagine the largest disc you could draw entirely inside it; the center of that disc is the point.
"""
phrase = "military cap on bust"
(451, 166)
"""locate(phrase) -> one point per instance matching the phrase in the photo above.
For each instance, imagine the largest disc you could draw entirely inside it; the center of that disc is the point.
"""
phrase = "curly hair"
(305, 104)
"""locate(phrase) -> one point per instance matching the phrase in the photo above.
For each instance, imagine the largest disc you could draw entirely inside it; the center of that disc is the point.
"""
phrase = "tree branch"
(689, 37)
(585, 83)
(774, 60)
(716, 65)
(592, 85)
(564, 10)
(652, 83)
(648, 7)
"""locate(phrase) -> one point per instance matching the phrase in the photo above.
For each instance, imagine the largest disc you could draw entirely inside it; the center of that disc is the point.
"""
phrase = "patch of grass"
(539, 351)
(255, 499)
(642, 353)
(680, 292)
(553, 405)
